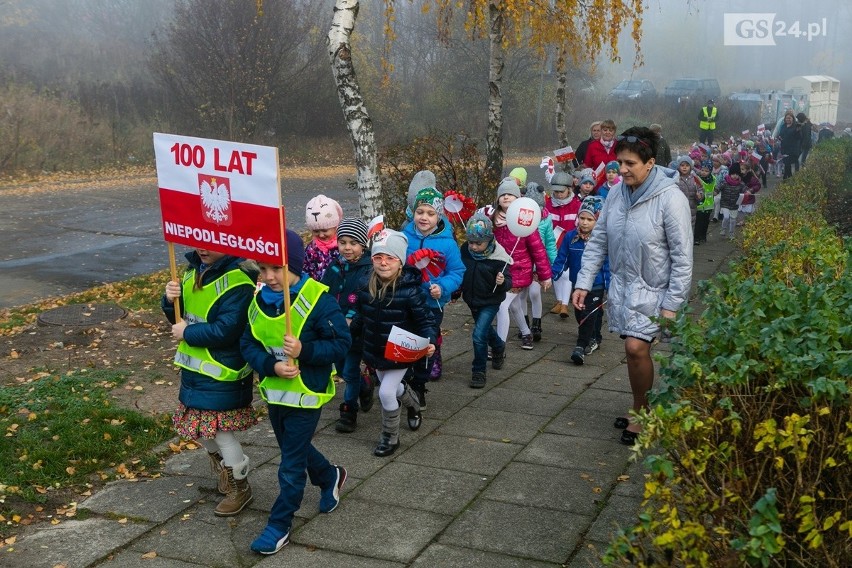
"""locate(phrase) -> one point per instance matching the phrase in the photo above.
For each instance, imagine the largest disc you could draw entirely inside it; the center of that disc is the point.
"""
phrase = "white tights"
(511, 305)
(227, 445)
(390, 387)
(533, 293)
(562, 288)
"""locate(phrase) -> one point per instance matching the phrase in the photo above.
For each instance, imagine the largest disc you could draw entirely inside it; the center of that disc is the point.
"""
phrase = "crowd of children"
(339, 300)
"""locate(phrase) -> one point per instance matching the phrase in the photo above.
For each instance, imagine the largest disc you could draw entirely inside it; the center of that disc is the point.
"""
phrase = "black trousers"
(590, 328)
(702, 221)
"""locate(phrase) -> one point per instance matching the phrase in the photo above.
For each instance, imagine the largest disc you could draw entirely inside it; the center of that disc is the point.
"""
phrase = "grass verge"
(62, 431)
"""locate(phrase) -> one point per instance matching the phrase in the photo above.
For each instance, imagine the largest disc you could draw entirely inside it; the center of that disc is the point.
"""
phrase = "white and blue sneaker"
(270, 541)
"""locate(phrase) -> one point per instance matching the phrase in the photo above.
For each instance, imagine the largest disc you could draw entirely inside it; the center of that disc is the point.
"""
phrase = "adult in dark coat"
(807, 136)
(790, 135)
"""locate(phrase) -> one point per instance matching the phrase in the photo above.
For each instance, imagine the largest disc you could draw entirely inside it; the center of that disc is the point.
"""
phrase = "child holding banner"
(216, 384)
(393, 298)
(345, 278)
(297, 382)
(322, 216)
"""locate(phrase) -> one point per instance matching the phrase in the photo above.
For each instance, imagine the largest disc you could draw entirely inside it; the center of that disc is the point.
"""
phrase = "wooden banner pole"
(173, 268)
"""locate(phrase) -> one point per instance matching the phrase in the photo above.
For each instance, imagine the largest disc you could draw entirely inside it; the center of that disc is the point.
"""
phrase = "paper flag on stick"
(405, 347)
(564, 154)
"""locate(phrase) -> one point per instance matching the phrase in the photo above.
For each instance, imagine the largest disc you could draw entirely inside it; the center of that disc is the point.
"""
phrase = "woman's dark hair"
(640, 140)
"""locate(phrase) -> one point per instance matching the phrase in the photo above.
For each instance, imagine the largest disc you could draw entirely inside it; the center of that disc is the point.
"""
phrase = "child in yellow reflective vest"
(216, 384)
(296, 382)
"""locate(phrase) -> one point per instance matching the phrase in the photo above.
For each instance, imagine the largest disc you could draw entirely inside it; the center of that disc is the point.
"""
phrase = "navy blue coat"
(221, 334)
(345, 279)
(325, 339)
(407, 309)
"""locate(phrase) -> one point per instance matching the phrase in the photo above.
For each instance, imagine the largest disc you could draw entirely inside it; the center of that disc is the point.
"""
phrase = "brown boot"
(239, 491)
(218, 471)
(565, 311)
(557, 309)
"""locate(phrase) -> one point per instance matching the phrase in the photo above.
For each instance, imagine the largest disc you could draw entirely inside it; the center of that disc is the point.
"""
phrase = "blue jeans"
(350, 369)
(294, 428)
(484, 336)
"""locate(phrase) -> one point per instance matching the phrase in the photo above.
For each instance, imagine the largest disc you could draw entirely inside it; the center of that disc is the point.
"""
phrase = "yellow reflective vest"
(196, 305)
(709, 122)
(270, 332)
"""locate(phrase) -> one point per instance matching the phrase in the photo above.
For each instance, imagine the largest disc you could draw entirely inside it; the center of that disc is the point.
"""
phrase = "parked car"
(690, 88)
(632, 89)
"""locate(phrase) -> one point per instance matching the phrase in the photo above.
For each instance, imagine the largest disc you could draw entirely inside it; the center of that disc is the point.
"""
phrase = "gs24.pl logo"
(764, 29)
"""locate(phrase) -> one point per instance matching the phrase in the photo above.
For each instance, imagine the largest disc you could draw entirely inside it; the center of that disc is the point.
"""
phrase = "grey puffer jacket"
(650, 254)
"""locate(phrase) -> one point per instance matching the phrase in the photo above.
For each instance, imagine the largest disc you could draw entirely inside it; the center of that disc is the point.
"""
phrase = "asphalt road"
(56, 242)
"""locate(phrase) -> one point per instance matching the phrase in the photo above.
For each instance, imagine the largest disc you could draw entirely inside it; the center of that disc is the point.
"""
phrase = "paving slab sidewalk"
(525, 472)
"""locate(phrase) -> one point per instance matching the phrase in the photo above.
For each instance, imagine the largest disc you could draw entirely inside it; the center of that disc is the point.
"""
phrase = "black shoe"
(348, 420)
(497, 359)
(477, 381)
(527, 342)
(628, 438)
(536, 329)
(415, 418)
(621, 422)
(579, 355)
(385, 448)
(368, 388)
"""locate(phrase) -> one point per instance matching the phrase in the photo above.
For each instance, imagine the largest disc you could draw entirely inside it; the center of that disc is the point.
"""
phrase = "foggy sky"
(683, 39)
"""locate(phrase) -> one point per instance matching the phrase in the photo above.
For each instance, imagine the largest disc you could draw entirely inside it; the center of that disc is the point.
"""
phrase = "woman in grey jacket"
(645, 228)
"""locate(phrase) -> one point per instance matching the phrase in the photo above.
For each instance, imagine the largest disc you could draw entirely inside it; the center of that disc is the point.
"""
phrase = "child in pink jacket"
(527, 253)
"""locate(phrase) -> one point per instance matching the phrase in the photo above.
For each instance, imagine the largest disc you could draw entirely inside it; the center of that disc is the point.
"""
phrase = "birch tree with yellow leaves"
(582, 30)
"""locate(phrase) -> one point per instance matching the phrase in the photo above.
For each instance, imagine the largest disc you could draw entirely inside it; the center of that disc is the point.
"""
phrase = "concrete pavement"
(525, 472)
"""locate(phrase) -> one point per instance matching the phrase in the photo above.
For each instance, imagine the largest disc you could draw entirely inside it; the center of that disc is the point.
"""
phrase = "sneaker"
(527, 342)
(330, 497)
(591, 347)
(270, 541)
(579, 355)
(497, 359)
(477, 380)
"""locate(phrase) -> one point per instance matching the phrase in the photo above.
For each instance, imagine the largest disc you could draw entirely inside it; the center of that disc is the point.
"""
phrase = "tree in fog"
(224, 62)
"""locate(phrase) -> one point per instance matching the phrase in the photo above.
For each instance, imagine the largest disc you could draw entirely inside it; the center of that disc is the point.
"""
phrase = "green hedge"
(752, 431)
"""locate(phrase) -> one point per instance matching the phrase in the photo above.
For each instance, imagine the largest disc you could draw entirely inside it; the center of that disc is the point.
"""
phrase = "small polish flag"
(375, 226)
(746, 133)
(405, 347)
(600, 174)
(756, 155)
(564, 154)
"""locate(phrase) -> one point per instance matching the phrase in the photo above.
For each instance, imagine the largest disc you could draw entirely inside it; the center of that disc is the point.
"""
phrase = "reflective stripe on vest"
(197, 305)
(709, 122)
(270, 332)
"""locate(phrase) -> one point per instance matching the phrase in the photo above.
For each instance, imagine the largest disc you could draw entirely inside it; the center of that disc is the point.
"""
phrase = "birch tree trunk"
(354, 111)
(497, 56)
(561, 82)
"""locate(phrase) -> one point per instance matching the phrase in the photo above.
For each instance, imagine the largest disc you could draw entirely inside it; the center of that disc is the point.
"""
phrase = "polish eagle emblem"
(215, 199)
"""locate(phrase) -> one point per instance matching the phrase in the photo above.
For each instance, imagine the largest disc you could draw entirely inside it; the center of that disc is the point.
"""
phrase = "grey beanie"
(536, 193)
(421, 180)
(508, 186)
(685, 158)
(392, 243)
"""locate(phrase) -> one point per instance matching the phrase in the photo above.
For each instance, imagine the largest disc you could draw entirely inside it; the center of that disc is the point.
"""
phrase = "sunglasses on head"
(632, 140)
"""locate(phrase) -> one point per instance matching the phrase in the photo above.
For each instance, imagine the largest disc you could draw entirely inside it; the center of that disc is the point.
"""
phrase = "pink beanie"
(322, 212)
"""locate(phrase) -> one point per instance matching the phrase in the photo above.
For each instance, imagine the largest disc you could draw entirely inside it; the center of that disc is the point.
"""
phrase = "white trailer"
(823, 95)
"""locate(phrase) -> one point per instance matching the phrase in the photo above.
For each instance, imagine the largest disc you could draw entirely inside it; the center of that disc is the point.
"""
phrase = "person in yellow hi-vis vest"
(296, 382)
(707, 124)
(216, 384)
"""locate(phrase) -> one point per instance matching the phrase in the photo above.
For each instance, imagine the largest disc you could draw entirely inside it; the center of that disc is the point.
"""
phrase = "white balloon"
(453, 204)
(523, 217)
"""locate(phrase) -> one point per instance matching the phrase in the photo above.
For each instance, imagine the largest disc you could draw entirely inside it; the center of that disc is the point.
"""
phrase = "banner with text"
(221, 196)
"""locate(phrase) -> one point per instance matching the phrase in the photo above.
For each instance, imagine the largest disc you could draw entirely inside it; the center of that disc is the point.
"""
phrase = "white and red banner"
(221, 196)
(405, 347)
